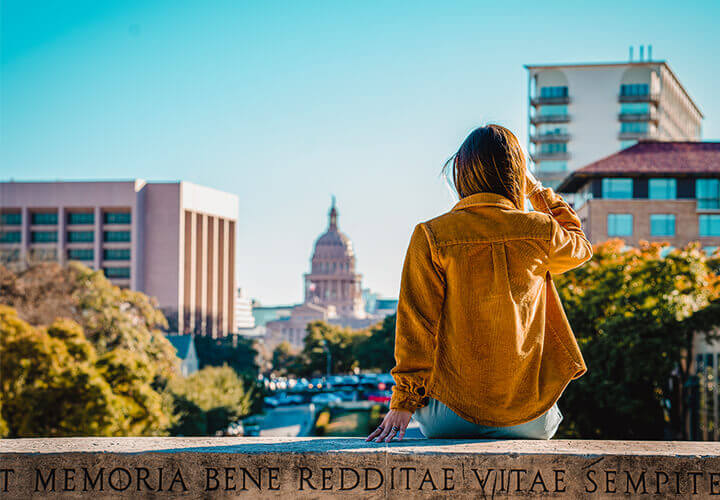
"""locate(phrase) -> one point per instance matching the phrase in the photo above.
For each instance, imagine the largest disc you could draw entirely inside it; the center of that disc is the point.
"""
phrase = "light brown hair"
(489, 160)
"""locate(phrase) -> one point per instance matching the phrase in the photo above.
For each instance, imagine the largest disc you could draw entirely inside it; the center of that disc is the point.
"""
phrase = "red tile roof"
(650, 158)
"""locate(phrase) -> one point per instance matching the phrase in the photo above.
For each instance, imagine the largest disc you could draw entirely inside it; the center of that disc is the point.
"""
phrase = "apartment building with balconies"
(579, 113)
(653, 191)
(174, 241)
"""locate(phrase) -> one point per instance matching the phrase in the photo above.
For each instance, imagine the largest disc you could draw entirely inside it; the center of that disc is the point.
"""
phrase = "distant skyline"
(288, 103)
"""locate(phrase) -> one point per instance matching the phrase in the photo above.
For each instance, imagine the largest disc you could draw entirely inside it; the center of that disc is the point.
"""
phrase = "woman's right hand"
(531, 183)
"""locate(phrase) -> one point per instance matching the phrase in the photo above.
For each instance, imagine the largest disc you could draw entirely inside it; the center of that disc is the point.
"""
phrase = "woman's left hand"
(393, 425)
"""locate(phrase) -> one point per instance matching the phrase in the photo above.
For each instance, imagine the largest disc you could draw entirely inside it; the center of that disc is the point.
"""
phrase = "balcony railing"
(639, 98)
(560, 155)
(539, 101)
(633, 136)
(549, 119)
(540, 138)
(638, 117)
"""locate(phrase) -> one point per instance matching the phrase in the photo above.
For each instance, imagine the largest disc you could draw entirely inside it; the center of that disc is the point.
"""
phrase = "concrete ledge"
(315, 467)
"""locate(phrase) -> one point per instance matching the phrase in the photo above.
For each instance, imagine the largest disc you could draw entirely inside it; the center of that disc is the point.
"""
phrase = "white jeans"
(438, 421)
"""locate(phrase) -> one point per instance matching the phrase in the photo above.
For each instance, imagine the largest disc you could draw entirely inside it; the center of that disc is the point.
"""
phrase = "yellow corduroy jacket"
(480, 325)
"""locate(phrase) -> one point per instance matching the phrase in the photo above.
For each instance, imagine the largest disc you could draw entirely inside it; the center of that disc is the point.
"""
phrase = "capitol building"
(333, 291)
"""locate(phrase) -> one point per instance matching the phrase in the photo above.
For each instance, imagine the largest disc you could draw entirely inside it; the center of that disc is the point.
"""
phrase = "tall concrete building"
(174, 241)
(579, 113)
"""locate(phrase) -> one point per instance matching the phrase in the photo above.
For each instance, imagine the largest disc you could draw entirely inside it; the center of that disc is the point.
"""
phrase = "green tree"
(635, 315)
(50, 383)
(322, 337)
(238, 353)
(285, 361)
(375, 350)
(111, 317)
(209, 400)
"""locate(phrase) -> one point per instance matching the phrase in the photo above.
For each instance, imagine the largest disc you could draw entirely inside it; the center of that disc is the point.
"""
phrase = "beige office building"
(174, 241)
(579, 113)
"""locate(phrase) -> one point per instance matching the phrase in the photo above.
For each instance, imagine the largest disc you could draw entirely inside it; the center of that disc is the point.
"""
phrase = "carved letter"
(407, 475)
(343, 470)
(694, 476)
(367, 479)
(142, 475)
(178, 478)
(246, 474)
(535, 481)
(6, 480)
(50, 481)
(88, 480)
(427, 478)
(517, 488)
(273, 477)
(714, 481)
(482, 482)
(657, 480)
(120, 482)
(610, 481)
(303, 470)
(69, 483)
(559, 479)
(587, 474)
(326, 473)
(229, 476)
(448, 476)
(630, 482)
(211, 475)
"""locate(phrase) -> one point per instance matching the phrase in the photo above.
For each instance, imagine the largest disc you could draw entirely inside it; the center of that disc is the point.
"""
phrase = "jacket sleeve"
(422, 292)
(569, 247)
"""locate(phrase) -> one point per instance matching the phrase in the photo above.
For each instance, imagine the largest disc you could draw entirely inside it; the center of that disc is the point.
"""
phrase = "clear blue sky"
(286, 103)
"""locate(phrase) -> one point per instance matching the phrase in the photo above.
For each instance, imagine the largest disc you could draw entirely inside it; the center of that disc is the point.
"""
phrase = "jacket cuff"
(403, 400)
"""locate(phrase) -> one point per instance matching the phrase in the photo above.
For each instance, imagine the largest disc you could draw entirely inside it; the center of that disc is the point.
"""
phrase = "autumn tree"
(635, 314)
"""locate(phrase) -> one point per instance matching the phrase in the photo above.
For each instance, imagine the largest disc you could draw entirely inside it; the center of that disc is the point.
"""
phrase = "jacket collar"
(486, 199)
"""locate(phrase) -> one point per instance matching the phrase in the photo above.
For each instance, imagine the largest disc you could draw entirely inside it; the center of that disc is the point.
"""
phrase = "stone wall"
(316, 467)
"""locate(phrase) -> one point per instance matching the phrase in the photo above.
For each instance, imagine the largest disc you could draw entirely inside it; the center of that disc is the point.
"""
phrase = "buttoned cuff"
(403, 400)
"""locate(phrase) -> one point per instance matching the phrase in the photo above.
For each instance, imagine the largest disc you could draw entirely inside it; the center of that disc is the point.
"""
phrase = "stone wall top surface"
(260, 445)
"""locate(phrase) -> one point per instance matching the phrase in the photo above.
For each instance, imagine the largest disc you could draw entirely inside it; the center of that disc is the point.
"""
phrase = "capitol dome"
(332, 280)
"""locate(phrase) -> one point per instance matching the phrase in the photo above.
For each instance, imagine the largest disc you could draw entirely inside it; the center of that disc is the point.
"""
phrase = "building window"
(44, 254)
(635, 108)
(550, 129)
(662, 189)
(620, 224)
(80, 236)
(43, 236)
(552, 166)
(116, 254)
(44, 218)
(634, 89)
(627, 144)
(707, 192)
(710, 225)
(634, 127)
(553, 91)
(662, 224)
(553, 110)
(116, 217)
(9, 254)
(117, 272)
(80, 254)
(10, 237)
(617, 188)
(552, 148)
(10, 218)
(114, 236)
(81, 218)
